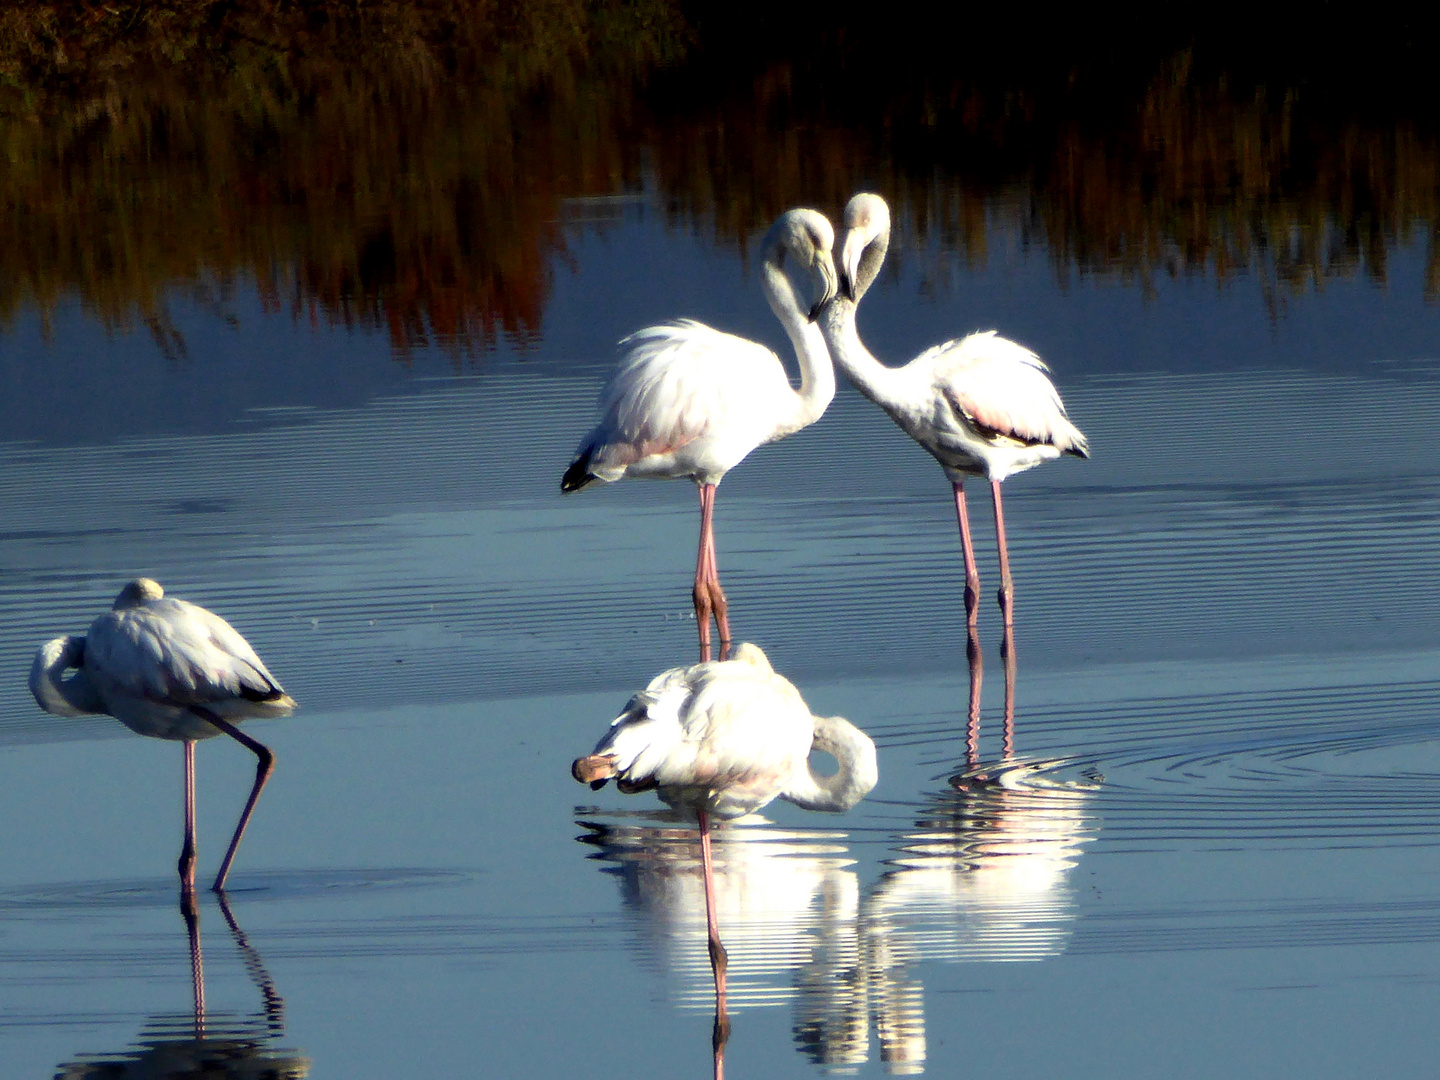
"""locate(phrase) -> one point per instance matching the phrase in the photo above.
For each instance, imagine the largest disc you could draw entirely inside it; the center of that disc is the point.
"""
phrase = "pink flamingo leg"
(718, 601)
(719, 961)
(265, 763)
(187, 852)
(1007, 586)
(701, 592)
(972, 572)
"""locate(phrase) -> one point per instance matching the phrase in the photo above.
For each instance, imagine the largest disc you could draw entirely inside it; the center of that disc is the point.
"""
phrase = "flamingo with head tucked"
(722, 739)
(980, 405)
(690, 402)
(171, 670)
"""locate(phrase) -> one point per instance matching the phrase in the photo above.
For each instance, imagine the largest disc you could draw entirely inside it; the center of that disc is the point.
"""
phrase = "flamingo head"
(863, 244)
(808, 237)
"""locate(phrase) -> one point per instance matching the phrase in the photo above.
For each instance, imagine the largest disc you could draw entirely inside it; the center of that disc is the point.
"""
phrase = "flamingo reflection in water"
(215, 1046)
(171, 670)
(724, 738)
(776, 892)
(690, 402)
(983, 876)
(980, 405)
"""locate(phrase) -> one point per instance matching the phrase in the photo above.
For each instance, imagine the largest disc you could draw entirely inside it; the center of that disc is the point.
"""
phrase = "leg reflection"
(719, 1035)
(977, 672)
(1007, 656)
(274, 1004)
(191, 913)
(718, 960)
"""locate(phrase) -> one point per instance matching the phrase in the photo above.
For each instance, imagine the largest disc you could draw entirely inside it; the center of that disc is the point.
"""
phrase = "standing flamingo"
(723, 738)
(981, 405)
(170, 670)
(690, 402)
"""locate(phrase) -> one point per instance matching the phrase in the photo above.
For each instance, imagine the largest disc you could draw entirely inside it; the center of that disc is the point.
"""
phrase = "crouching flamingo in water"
(981, 405)
(722, 739)
(690, 402)
(171, 670)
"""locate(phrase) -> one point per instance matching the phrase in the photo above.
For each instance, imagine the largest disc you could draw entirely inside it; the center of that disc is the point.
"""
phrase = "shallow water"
(1213, 851)
(1219, 849)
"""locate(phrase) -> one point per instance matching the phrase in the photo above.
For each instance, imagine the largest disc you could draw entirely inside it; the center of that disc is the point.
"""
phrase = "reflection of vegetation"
(401, 169)
(1219, 142)
(404, 164)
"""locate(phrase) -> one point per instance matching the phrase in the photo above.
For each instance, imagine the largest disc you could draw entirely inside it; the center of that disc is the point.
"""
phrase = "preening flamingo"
(723, 738)
(171, 670)
(981, 405)
(690, 402)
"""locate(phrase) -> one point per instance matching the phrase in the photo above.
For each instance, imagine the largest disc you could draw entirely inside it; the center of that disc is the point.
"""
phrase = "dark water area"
(304, 310)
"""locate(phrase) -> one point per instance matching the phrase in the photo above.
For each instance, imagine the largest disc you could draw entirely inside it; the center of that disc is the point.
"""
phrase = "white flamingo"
(170, 670)
(690, 402)
(981, 405)
(724, 738)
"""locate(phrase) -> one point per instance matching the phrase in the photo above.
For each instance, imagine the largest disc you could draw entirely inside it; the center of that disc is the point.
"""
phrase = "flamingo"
(171, 670)
(723, 738)
(980, 405)
(690, 402)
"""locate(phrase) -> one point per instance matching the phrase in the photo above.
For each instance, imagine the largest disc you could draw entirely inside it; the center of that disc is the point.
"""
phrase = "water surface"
(1212, 853)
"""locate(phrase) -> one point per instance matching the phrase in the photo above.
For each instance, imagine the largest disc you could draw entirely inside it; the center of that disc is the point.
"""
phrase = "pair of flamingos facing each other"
(690, 402)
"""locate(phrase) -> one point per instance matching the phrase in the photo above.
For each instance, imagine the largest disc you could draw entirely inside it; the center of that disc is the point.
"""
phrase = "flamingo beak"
(826, 266)
(850, 252)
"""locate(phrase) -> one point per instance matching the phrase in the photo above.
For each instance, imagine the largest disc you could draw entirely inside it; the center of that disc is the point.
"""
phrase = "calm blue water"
(1221, 856)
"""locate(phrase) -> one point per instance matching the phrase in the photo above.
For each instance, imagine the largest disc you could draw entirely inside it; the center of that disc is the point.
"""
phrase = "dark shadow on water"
(246, 888)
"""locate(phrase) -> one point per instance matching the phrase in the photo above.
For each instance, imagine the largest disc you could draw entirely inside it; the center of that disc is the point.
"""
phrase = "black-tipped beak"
(846, 290)
(827, 284)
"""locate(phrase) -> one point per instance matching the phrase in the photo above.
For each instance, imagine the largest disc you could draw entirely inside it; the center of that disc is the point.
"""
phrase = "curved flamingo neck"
(817, 373)
(882, 385)
(75, 696)
(854, 752)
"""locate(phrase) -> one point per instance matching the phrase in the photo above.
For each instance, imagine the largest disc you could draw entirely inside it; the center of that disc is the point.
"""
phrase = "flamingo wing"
(713, 729)
(745, 731)
(177, 653)
(679, 382)
(1000, 389)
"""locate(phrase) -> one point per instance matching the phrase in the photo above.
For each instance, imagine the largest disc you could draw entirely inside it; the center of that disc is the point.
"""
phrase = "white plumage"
(170, 670)
(988, 408)
(725, 738)
(150, 658)
(690, 402)
(980, 405)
